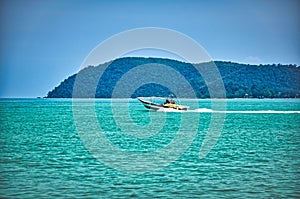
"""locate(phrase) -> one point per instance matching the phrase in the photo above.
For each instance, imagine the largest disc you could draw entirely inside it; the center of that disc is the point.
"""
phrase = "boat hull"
(154, 106)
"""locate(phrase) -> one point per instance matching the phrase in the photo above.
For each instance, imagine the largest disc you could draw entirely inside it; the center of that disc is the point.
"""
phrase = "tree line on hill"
(240, 80)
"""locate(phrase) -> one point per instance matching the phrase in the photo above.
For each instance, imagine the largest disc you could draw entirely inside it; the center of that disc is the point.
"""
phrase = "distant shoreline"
(237, 80)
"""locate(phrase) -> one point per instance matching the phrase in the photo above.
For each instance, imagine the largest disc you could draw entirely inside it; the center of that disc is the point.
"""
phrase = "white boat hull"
(154, 106)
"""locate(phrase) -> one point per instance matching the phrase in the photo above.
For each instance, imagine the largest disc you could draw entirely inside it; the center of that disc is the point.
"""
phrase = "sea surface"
(103, 148)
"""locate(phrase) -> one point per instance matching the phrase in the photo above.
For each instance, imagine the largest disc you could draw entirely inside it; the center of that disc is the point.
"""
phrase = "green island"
(240, 80)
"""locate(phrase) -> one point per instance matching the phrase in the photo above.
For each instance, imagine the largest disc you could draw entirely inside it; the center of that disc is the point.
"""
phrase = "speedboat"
(169, 104)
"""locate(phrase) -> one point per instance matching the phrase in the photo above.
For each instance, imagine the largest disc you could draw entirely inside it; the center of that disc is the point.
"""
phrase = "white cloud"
(252, 60)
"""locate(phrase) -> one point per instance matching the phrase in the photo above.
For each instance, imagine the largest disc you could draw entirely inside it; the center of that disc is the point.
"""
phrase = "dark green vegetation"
(240, 80)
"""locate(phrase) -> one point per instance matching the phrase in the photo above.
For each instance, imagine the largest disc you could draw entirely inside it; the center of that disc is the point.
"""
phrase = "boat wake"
(206, 110)
(264, 112)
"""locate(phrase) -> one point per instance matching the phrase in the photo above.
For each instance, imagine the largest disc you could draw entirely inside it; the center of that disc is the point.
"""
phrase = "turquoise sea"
(60, 148)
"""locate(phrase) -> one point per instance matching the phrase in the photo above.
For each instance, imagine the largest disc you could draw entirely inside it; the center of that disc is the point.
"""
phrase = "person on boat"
(167, 101)
(172, 101)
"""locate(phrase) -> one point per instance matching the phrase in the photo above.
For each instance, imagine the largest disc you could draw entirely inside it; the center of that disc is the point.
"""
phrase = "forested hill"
(240, 80)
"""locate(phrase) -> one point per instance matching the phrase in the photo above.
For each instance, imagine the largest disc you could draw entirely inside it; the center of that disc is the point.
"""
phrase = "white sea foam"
(206, 110)
(264, 112)
(202, 110)
(170, 110)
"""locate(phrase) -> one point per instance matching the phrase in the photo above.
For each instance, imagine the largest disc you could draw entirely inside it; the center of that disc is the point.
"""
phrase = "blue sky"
(45, 41)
